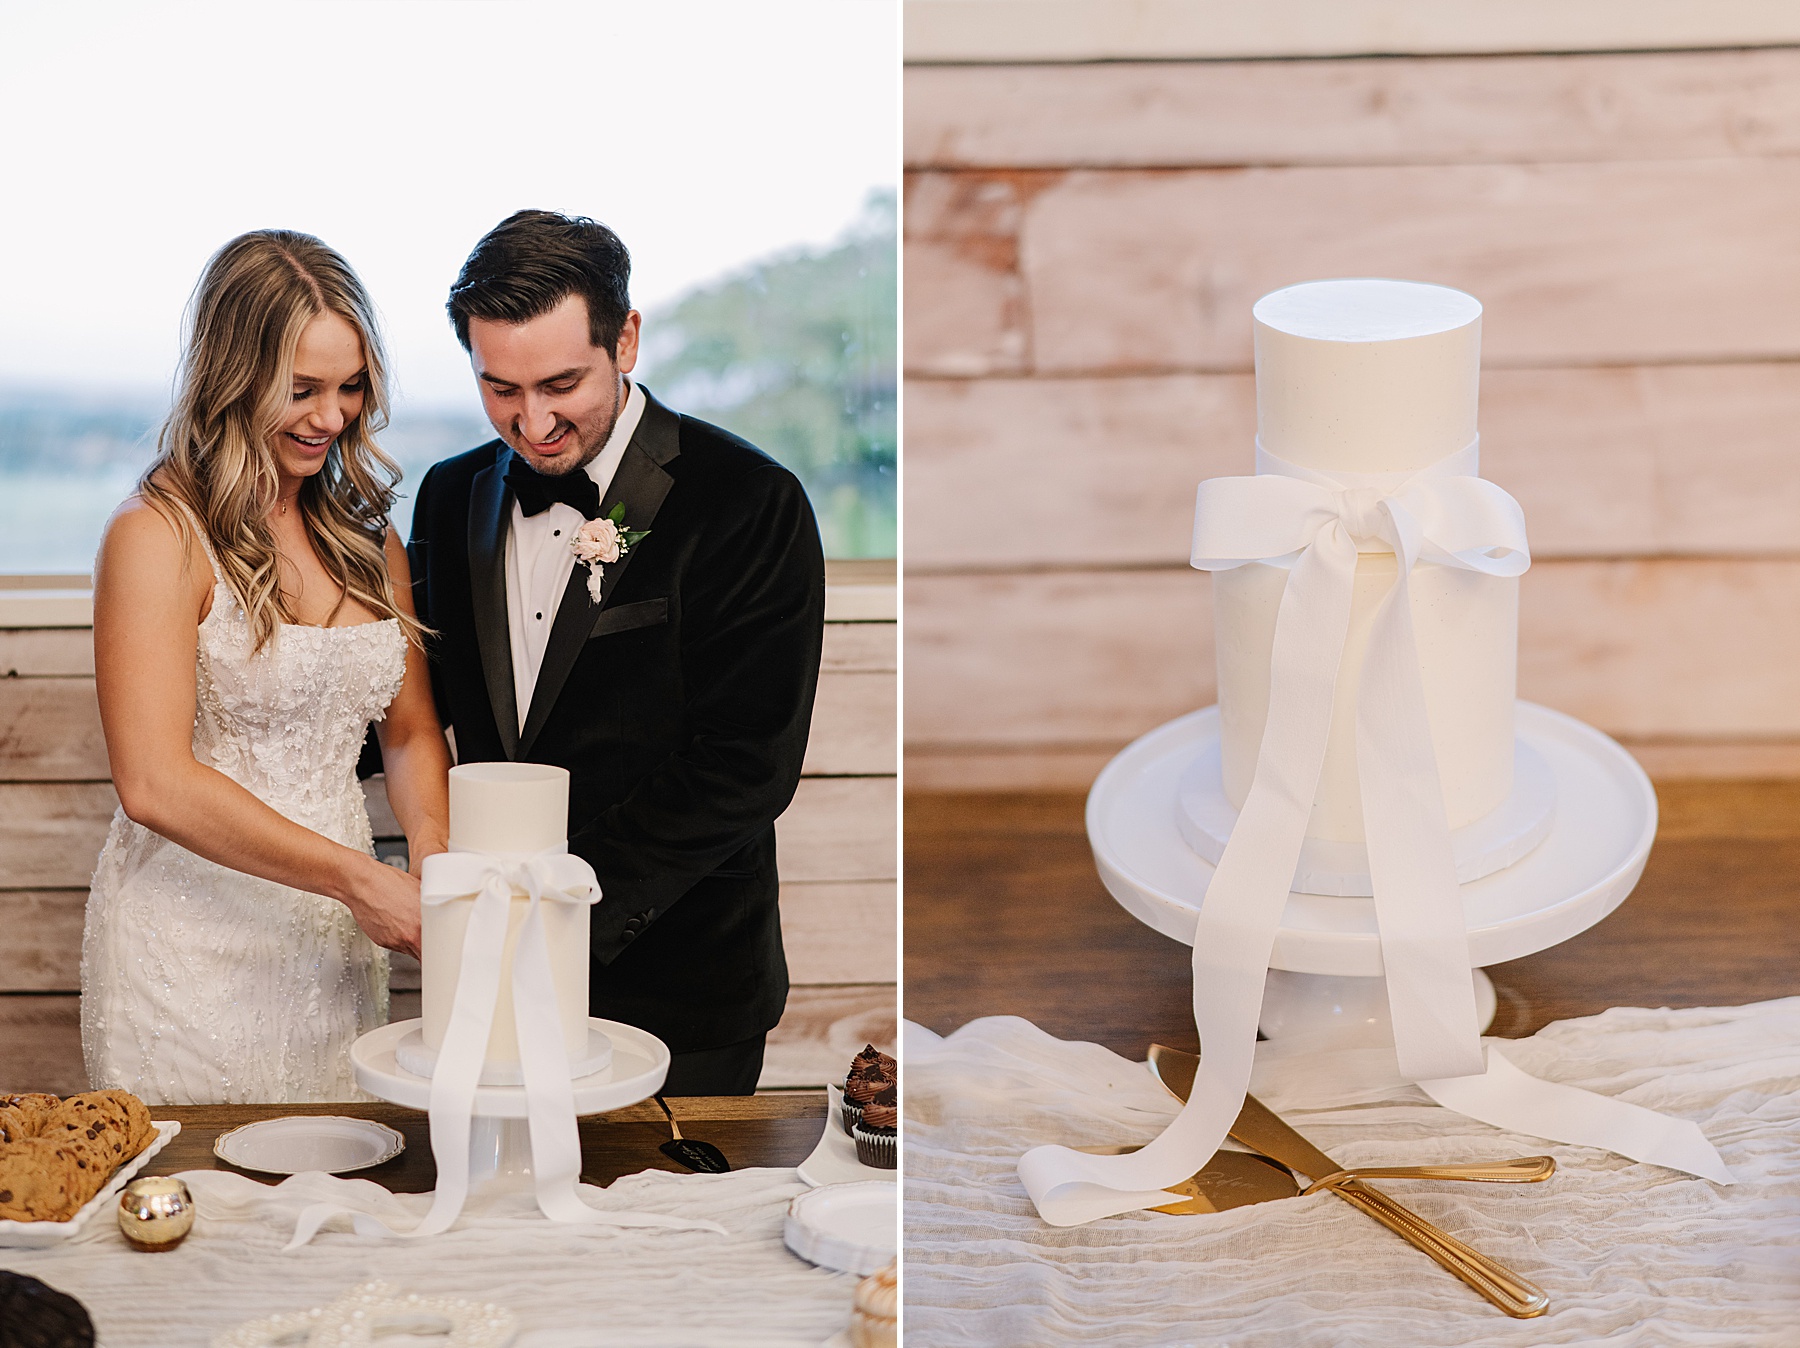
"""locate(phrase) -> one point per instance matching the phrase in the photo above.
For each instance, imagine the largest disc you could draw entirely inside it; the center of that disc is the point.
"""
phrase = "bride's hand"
(385, 903)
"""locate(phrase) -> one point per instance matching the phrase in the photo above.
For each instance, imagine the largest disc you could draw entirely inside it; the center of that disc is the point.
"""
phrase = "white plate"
(37, 1235)
(834, 1161)
(849, 1227)
(298, 1143)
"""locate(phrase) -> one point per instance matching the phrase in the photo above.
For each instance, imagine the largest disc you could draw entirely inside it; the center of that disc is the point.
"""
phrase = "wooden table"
(777, 1129)
(1005, 915)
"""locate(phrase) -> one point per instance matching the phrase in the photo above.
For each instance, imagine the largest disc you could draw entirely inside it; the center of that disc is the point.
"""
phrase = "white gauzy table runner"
(1629, 1253)
(570, 1286)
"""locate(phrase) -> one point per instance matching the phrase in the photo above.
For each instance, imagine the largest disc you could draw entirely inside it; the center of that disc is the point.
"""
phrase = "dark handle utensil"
(695, 1155)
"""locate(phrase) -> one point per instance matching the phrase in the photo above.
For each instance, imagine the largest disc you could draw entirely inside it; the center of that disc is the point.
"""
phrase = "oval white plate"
(302, 1142)
(849, 1227)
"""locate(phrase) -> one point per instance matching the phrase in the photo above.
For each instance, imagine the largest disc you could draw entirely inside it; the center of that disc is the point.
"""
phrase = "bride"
(252, 616)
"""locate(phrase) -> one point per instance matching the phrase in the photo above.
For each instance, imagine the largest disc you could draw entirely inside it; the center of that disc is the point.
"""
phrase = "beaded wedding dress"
(203, 985)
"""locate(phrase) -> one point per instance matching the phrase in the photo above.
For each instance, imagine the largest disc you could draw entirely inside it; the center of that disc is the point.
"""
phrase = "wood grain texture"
(1507, 109)
(51, 832)
(1665, 460)
(860, 648)
(40, 1044)
(841, 933)
(1005, 916)
(839, 828)
(45, 651)
(1135, 272)
(854, 725)
(965, 300)
(1649, 648)
(1639, 647)
(1087, 657)
(822, 1030)
(1208, 30)
(42, 941)
(50, 731)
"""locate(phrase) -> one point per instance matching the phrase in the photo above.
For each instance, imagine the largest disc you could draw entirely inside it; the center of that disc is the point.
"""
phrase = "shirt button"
(556, 533)
(540, 617)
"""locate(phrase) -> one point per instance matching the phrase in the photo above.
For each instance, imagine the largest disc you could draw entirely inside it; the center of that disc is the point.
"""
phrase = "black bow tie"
(537, 492)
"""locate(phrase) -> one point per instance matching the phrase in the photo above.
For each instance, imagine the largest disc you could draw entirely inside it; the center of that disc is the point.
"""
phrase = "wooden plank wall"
(1083, 247)
(837, 841)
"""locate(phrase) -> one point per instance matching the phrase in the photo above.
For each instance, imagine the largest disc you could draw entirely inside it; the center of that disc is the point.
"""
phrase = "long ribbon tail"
(550, 1095)
(1418, 902)
(458, 1070)
(1235, 933)
(1507, 1097)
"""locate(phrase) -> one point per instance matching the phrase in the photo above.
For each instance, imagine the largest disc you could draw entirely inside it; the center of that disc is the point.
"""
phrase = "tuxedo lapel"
(640, 484)
(490, 506)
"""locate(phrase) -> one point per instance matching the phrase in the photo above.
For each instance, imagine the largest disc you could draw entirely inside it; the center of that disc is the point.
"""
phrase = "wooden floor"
(1005, 915)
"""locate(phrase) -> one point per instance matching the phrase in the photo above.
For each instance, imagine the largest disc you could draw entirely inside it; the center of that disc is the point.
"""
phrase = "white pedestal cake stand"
(499, 1136)
(1325, 971)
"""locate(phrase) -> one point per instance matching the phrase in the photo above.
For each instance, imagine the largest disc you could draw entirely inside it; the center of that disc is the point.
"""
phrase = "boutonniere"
(601, 541)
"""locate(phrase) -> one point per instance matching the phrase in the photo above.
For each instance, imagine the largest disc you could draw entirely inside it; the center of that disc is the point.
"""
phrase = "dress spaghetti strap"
(205, 544)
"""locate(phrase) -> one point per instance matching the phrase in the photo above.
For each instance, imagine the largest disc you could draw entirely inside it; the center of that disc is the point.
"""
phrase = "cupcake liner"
(850, 1113)
(878, 1149)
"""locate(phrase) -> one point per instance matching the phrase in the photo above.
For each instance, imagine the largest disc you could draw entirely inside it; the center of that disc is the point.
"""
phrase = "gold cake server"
(1259, 1127)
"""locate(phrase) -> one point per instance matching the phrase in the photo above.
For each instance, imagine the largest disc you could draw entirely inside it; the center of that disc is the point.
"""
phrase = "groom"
(675, 681)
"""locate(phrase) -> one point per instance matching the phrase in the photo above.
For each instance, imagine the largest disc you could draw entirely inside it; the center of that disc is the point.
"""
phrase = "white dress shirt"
(539, 563)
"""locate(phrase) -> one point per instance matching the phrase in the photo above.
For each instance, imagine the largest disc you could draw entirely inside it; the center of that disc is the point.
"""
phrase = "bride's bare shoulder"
(144, 531)
(145, 547)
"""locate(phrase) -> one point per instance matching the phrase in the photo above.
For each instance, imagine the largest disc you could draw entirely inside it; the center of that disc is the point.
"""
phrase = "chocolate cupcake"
(869, 1072)
(877, 1133)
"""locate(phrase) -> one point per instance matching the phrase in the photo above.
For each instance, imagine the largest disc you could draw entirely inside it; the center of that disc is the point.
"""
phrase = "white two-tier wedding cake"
(1365, 384)
(505, 811)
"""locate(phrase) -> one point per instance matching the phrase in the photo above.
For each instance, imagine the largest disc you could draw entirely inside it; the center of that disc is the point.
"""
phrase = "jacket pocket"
(625, 617)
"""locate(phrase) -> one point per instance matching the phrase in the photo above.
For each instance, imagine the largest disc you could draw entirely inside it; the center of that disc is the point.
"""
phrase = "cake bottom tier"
(1467, 630)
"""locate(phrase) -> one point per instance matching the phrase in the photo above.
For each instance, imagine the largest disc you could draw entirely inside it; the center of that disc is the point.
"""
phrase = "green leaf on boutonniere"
(617, 514)
(631, 537)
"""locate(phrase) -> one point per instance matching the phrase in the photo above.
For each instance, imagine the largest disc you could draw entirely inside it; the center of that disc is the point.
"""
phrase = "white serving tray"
(40, 1235)
(853, 1228)
(834, 1161)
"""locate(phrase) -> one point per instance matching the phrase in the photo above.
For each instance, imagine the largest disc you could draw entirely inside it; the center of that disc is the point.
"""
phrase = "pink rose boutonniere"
(602, 541)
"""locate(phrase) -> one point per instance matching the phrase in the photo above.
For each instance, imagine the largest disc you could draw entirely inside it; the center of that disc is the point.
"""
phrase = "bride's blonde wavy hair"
(215, 454)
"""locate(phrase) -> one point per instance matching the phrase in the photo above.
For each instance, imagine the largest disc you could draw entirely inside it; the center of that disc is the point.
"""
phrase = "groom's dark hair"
(534, 260)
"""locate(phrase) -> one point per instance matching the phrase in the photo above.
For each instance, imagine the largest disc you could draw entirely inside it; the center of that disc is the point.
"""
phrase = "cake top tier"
(509, 807)
(1366, 375)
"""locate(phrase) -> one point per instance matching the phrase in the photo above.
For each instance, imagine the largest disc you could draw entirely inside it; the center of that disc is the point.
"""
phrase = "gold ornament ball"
(156, 1213)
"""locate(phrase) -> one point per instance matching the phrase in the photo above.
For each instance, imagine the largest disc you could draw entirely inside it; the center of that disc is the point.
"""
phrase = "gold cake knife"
(1259, 1127)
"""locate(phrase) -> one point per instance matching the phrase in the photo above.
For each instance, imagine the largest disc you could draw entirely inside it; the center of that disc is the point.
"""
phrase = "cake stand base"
(499, 1132)
(1350, 1012)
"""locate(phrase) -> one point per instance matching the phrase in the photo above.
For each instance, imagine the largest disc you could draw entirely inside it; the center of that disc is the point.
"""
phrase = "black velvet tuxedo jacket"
(680, 705)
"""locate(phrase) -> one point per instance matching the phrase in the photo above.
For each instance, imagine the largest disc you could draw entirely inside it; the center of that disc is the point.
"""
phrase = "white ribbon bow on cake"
(1443, 514)
(491, 879)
